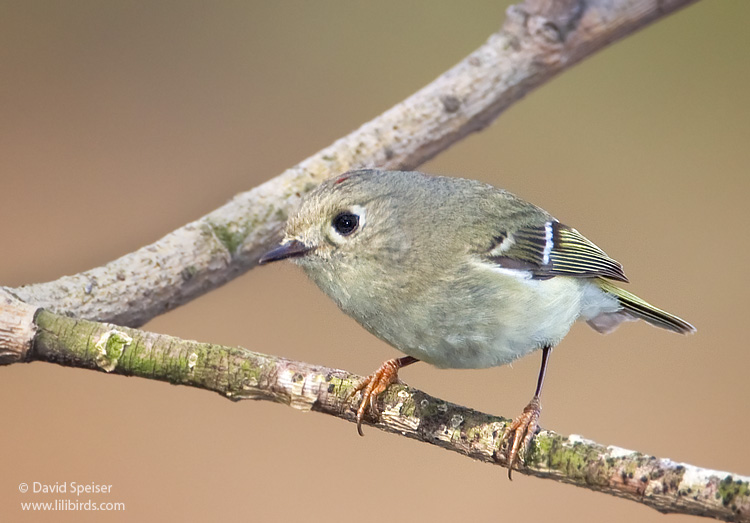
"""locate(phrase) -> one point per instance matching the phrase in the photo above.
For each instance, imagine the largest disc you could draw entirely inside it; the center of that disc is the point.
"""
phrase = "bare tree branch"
(238, 374)
(539, 39)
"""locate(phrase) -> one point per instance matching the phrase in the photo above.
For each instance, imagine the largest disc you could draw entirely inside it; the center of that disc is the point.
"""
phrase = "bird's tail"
(638, 308)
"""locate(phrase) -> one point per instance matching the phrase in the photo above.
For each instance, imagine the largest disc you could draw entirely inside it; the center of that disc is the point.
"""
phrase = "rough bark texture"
(539, 39)
(238, 374)
(17, 328)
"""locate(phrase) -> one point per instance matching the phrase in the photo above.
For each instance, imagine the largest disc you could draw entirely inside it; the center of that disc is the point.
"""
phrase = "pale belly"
(478, 321)
(488, 327)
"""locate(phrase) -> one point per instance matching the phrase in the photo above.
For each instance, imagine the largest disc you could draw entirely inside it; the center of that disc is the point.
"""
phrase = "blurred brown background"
(121, 121)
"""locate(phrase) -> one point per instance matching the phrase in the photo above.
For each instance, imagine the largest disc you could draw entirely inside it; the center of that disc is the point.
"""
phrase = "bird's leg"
(376, 383)
(518, 435)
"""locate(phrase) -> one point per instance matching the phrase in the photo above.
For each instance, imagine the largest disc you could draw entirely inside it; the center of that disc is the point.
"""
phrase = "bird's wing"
(552, 249)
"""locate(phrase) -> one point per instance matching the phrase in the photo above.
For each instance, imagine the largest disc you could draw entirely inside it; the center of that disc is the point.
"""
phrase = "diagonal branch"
(238, 374)
(539, 39)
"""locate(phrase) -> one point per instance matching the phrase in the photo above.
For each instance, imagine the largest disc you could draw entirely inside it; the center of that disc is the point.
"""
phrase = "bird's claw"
(372, 386)
(518, 434)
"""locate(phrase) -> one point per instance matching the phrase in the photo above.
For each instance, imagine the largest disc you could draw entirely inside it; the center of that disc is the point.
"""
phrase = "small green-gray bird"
(456, 273)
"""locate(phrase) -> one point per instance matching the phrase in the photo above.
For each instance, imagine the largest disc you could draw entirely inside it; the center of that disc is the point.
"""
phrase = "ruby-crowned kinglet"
(456, 273)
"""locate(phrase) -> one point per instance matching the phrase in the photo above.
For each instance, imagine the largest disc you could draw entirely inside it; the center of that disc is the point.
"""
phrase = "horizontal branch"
(539, 39)
(238, 374)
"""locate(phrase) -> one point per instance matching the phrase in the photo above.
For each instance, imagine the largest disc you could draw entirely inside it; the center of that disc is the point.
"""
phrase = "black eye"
(345, 223)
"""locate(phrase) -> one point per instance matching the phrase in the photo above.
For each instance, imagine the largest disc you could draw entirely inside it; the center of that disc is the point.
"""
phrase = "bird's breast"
(480, 320)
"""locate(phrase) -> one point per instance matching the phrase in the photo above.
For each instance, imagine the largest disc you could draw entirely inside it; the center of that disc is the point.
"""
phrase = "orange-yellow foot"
(518, 435)
(376, 383)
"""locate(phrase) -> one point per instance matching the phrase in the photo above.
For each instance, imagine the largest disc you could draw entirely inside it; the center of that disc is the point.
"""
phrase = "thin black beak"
(293, 249)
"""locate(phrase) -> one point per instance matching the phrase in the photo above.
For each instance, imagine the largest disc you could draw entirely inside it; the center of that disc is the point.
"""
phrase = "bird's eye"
(345, 223)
